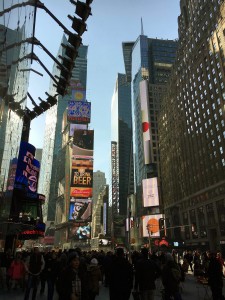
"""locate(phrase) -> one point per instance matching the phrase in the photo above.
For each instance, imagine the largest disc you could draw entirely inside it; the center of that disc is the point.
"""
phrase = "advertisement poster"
(80, 210)
(80, 232)
(151, 225)
(79, 112)
(150, 192)
(27, 167)
(79, 192)
(83, 143)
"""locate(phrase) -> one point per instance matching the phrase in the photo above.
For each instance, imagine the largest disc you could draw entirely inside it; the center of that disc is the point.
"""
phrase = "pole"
(149, 239)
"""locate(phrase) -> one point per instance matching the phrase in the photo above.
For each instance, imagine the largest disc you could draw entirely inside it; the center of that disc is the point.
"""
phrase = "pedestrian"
(72, 282)
(17, 271)
(94, 279)
(215, 278)
(146, 272)
(34, 265)
(189, 257)
(120, 277)
(171, 277)
(51, 265)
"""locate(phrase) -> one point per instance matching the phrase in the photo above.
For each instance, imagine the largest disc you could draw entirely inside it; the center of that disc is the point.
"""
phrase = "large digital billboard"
(80, 231)
(79, 112)
(144, 99)
(83, 143)
(150, 225)
(80, 210)
(150, 192)
(28, 167)
(81, 178)
(76, 126)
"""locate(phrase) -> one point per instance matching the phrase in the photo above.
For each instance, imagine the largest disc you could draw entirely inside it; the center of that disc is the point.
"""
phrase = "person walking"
(17, 271)
(146, 273)
(215, 278)
(171, 277)
(120, 277)
(34, 266)
(94, 278)
(72, 282)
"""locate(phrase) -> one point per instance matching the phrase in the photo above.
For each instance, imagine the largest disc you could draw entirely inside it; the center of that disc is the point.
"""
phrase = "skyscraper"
(52, 176)
(192, 129)
(148, 64)
(121, 134)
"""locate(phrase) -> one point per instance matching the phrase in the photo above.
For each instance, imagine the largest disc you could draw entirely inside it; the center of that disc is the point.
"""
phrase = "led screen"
(150, 192)
(151, 224)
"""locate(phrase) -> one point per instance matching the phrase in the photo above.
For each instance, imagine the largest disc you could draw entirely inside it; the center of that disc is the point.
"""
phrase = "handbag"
(136, 295)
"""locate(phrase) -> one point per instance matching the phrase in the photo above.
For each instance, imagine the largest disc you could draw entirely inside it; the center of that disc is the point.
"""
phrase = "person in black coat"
(215, 278)
(72, 282)
(120, 277)
(145, 275)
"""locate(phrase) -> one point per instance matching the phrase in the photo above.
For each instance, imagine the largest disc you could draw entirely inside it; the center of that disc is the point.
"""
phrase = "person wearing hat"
(94, 278)
(72, 283)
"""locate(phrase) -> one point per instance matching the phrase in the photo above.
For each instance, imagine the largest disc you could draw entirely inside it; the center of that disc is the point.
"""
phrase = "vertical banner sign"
(28, 167)
(144, 99)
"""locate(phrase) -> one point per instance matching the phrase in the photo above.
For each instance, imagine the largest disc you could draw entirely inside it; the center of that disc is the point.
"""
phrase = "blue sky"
(111, 23)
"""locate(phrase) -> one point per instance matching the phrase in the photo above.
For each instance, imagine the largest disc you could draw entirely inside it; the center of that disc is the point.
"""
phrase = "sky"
(111, 23)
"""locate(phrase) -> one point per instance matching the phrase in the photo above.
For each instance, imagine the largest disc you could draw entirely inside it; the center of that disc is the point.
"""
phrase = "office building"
(192, 130)
(148, 64)
(52, 176)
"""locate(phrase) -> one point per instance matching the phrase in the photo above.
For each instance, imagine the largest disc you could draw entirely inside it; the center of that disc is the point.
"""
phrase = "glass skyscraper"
(148, 60)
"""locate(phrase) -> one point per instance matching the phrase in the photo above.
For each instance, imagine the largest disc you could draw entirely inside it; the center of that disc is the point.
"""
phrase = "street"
(190, 290)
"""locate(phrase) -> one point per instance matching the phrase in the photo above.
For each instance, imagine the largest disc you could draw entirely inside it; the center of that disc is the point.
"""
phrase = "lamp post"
(149, 237)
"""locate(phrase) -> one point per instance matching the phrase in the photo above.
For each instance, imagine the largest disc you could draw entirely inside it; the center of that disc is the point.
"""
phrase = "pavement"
(190, 290)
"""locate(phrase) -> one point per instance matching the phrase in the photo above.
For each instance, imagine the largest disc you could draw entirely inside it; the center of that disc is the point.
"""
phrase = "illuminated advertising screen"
(81, 178)
(76, 126)
(83, 143)
(150, 192)
(77, 91)
(80, 231)
(79, 112)
(145, 120)
(28, 167)
(80, 210)
(151, 225)
(78, 94)
(104, 217)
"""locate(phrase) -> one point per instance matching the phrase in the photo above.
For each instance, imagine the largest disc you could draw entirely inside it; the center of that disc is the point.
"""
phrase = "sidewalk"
(190, 290)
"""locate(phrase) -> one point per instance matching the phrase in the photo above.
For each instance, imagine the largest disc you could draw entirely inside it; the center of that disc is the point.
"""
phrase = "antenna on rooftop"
(142, 29)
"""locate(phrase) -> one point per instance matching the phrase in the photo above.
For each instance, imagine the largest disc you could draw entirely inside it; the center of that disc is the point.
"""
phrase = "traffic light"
(78, 25)
(70, 52)
(83, 10)
(162, 228)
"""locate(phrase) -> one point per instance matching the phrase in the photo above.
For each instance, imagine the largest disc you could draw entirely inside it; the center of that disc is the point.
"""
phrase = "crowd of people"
(77, 275)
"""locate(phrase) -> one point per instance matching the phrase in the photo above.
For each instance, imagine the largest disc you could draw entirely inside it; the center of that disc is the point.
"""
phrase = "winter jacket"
(94, 276)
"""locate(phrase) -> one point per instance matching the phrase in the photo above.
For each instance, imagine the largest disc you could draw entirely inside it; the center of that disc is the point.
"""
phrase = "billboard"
(28, 167)
(150, 192)
(78, 92)
(80, 210)
(83, 143)
(150, 224)
(81, 178)
(144, 99)
(79, 231)
(79, 112)
(76, 126)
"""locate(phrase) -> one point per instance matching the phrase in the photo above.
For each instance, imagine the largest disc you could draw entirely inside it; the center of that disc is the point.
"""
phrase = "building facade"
(52, 176)
(148, 64)
(192, 129)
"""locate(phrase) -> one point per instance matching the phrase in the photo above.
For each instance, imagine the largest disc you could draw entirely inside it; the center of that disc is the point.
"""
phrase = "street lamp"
(149, 236)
